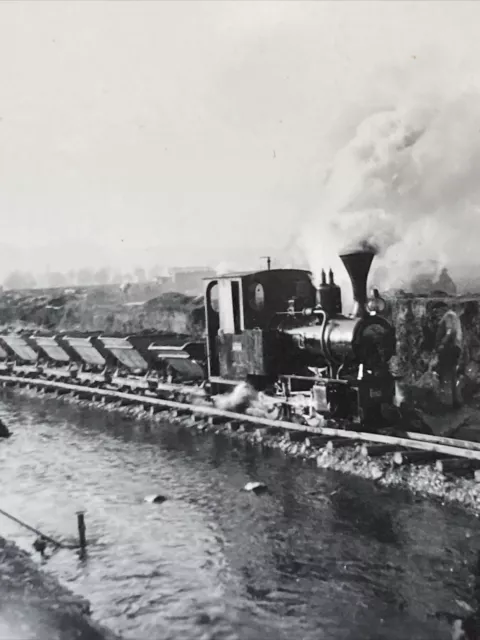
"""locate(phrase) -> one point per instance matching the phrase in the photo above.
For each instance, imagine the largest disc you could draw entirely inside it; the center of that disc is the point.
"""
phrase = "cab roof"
(244, 274)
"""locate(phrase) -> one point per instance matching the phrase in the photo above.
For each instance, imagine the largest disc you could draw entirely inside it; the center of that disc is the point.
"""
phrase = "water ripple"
(320, 556)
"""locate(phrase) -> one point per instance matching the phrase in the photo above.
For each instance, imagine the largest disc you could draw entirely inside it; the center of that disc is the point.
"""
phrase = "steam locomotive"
(272, 329)
(275, 330)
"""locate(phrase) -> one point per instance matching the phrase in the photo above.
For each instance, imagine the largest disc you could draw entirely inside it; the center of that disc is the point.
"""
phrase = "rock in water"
(256, 487)
(40, 545)
(4, 432)
(155, 499)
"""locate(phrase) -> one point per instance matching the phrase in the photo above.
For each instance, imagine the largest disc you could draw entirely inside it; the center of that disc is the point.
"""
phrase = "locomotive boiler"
(275, 330)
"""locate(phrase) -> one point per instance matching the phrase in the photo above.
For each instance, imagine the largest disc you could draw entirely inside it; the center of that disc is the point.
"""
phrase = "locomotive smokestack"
(358, 265)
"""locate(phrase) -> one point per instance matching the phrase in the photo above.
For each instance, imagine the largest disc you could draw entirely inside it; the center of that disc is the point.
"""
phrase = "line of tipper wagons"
(133, 362)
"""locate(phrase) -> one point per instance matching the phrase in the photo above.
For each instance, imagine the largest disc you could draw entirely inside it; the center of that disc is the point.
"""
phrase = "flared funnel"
(358, 265)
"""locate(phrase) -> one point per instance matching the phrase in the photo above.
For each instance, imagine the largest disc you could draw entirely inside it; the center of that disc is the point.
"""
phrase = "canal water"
(321, 555)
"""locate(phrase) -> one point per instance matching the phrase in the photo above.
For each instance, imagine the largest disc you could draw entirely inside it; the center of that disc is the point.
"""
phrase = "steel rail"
(411, 440)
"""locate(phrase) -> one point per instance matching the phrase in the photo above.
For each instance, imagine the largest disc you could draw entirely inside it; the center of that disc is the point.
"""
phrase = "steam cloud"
(224, 268)
(406, 185)
(244, 399)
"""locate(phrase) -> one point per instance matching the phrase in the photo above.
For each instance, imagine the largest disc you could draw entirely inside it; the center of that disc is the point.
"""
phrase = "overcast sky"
(191, 132)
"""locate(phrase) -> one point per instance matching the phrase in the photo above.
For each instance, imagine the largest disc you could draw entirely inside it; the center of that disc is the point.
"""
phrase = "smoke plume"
(406, 185)
(223, 268)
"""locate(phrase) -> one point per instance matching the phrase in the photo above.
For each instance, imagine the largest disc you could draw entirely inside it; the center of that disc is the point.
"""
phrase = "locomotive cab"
(241, 310)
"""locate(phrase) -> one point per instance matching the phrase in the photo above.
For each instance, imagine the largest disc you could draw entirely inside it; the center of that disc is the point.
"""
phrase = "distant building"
(190, 280)
(174, 270)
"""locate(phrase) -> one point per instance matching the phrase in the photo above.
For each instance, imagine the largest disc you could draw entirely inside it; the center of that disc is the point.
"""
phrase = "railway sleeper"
(466, 473)
(150, 408)
(247, 427)
(376, 450)
(416, 456)
(297, 436)
(61, 392)
(51, 389)
(339, 443)
(232, 425)
(124, 402)
(84, 395)
(456, 465)
(177, 413)
(320, 442)
(275, 431)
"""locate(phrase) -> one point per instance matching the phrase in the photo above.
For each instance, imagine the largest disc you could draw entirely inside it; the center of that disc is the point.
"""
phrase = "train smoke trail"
(407, 186)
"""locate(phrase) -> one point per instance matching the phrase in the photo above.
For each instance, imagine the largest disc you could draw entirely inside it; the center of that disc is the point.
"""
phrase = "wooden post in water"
(81, 530)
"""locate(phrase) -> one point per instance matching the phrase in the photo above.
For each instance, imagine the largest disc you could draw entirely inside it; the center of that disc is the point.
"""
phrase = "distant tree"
(14, 280)
(157, 271)
(56, 279)
(85, 276)
(103, 276)
(140, 274)
(116, 277)
(42, 280)
(19, 280)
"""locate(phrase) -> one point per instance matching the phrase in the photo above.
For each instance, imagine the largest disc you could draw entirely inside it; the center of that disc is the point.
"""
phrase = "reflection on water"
(320, 555)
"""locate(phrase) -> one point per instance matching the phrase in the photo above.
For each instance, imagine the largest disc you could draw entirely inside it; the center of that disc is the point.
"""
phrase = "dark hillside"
(107, 309)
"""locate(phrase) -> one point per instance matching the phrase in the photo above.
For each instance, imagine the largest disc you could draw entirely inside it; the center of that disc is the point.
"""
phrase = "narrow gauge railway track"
(449, 455)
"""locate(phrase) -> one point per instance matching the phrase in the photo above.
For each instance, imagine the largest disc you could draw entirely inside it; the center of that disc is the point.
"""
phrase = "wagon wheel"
(277, 413)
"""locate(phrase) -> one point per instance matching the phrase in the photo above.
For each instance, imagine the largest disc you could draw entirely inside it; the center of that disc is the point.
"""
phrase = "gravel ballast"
(421, 479)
